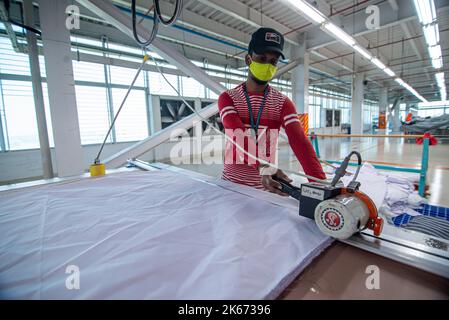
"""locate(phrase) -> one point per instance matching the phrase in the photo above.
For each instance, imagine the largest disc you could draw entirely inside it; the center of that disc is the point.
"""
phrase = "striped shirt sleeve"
(298, 141)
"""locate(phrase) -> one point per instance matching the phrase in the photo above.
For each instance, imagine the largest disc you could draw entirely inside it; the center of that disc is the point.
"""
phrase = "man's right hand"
(274, 186)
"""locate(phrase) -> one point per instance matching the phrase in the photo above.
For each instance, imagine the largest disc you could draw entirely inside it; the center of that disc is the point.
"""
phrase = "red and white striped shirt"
(279, 111)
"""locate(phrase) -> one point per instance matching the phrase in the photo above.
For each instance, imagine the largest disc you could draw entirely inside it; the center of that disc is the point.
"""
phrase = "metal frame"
(107, 82)
(3, 131)
(397, 251)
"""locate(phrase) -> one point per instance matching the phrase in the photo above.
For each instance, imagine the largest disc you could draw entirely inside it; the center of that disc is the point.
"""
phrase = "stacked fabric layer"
(151, 235)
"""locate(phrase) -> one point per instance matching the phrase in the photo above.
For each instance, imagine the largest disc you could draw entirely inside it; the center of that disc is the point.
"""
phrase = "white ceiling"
(399, 44)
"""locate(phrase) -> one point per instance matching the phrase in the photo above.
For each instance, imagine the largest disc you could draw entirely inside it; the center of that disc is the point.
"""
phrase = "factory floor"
(340, 272)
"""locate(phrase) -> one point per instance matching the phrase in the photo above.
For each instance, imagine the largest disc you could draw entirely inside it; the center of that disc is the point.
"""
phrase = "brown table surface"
(339, 273)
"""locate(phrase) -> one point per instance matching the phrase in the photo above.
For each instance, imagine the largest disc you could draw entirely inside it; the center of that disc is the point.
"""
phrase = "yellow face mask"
(262, 71)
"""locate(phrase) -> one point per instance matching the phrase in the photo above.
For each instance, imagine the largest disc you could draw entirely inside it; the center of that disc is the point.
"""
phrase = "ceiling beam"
(355, 24)
(413, 44)
(393, 5)
(248, 15)
(121, 21)
(192, 20)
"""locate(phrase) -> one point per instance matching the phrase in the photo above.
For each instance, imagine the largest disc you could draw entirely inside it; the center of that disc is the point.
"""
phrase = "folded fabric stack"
(401, 204)
(433, 220)
(401, 196)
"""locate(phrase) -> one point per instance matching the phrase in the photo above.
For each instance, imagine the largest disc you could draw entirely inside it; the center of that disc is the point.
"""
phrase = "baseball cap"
(266, 40)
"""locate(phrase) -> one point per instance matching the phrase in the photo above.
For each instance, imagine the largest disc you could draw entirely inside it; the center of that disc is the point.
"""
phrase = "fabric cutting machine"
(338, 211)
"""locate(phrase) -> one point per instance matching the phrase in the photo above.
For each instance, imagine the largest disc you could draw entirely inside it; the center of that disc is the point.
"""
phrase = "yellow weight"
(97, 170)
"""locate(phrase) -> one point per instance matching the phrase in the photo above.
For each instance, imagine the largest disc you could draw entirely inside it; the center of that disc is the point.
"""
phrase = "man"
(256, 106)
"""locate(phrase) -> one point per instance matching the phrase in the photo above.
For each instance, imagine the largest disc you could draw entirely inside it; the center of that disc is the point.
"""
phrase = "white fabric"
(371, 183)
(151, 235)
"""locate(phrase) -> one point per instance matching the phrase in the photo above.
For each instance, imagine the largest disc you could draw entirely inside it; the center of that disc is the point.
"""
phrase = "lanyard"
(255, 127)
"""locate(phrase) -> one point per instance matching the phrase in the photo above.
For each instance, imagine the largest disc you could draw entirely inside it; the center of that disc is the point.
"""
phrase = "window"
(125, 76)
(12, 62)
(92, 114)
(131, 124)
(86, 71)
(192, 88)
(20, 115)
(159, 86)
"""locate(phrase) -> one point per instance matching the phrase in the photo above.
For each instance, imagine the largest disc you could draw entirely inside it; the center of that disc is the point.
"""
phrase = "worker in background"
(409, 118)
(257, 107)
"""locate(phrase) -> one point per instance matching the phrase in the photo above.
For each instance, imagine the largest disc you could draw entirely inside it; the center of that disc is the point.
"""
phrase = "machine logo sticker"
(332, 219)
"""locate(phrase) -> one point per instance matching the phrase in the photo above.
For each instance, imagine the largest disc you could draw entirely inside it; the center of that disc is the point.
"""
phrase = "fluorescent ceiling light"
(308, 10)
(363, 52)
(425, 10)
(440, 78)
(389, 72)
(400, 81)
(378, 63)
(441, 84)
(434, 52)
(432, 34)
(422, 99)
(339, 33)
(437, 63)
(409, 88)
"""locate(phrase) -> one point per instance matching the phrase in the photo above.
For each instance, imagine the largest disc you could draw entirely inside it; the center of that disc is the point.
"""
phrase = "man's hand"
(274, 186)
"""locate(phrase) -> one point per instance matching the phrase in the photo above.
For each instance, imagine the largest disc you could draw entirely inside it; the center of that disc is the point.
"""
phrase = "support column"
(357, 104)
(407, 109)
(33, 55)
(300, 77)
(383, 105)
(396, 119)
(148, 103)
(61, 87)
(197, 136)
(156, 120)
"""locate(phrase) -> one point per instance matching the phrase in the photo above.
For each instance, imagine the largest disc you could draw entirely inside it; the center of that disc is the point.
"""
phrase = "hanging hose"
(176, 13)
(157, 19)
(341, 171)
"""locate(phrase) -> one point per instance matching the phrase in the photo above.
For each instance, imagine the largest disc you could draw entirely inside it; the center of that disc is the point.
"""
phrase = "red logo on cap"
(273, 37)
(332, 219)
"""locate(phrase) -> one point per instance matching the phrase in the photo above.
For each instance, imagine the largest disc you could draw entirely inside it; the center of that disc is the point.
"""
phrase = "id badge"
(253, 133)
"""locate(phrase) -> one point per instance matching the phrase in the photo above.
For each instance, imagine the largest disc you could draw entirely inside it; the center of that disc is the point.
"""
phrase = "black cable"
(144, 43)
(157, 19)
(22, 24)
(178, 8)
(25, 27)
(341, 171)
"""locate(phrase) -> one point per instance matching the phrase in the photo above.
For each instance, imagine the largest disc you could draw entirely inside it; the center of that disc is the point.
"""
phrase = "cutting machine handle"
(287, 187)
